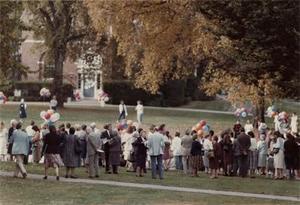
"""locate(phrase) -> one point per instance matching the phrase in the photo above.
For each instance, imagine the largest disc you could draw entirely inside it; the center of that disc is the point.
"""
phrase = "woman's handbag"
(210, 154)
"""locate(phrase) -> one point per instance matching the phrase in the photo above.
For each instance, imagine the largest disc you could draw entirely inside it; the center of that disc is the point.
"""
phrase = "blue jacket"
(156, 144)
(20, 142)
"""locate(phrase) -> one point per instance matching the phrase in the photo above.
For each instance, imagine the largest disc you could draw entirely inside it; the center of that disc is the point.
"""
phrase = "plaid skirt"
(53, 159)
(253, 159)
(196, 162)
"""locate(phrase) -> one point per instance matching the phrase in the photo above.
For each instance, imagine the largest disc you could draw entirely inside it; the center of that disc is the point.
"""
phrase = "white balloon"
(42, 114)
(55, 117)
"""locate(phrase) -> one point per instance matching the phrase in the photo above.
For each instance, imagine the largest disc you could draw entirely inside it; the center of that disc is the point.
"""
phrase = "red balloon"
(202, 123)
(47, 116)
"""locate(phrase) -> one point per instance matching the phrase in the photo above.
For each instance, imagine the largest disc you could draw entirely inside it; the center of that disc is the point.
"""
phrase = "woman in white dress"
(294, 123)
(127, 140)
(278, 151)
(3, 141)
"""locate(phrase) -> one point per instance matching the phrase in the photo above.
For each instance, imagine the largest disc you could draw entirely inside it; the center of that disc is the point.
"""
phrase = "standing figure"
(51, 150)
(278, 151)
(186, 145)
(291, 155)
(294, 123)
(237, 128)
(93, 144)
(156, 146)
(22, 110)
(3, 141)
(262, 148)
(37, 144)
(106, 135)
(227, 154)
(214, 160)
(53, 103)
(115, 151)
(176, 148)
(244, 145)
(248, 127)
(122, 111)
(71, 155)
(20, 149)
(195, 156)
(252, 155)
(13, 124)
(139, 111)
(140, 153)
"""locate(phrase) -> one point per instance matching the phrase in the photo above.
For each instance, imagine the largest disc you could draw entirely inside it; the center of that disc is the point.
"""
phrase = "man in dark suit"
(106, 135)
(244, 145)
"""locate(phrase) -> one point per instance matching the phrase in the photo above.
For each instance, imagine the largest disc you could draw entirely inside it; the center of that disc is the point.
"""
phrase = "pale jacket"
(156, 144)
(139, 109)
(248, 128)
(20, 143)
(207, 145)
(176, 146)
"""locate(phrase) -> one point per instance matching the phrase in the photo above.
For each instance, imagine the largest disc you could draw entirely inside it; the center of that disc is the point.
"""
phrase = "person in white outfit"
(278, 151)
(276, 122)
(3, 141)
(248, 127)
(294, 123)
(127, 140)
(139, 111)
(176, 148)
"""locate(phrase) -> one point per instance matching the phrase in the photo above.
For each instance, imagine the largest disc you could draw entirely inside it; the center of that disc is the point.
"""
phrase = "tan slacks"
(20, 165)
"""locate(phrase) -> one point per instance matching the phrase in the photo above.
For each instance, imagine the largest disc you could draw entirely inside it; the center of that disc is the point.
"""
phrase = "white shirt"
(29, 131)
(176, 146)
(123, 108)
(248, 128)
(294, 123)
(207, 145)
(253, 145)
(139, 109)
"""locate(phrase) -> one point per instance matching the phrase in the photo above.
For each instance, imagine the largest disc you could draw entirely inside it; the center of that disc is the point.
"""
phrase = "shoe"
(108, 172)
(66, 176)
(115, 173)
(97, 176)
(45, 177)
(73, 177)
(24, 175)
(57, 178)
(91, 177)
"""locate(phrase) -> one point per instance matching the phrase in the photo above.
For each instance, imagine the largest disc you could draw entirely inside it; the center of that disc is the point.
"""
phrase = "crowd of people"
(241, 151)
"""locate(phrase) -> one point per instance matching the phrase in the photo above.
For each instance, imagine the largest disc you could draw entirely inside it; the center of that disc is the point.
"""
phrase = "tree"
(10, 41)
(160, 40)
(257, 52)
(64, 26)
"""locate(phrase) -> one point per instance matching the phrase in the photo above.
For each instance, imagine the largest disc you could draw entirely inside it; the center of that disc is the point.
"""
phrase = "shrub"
(30, 90)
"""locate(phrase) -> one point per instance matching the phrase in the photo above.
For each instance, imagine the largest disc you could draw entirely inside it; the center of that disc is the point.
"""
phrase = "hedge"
(30, 90)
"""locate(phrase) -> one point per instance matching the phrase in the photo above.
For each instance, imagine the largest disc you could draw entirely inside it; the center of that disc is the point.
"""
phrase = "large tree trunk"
(260, 112)
(59, 57)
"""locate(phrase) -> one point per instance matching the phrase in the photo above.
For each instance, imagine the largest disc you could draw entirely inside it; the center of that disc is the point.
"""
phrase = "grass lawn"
(258, 185)
(175, 120)
(32, 192)
(222, 105)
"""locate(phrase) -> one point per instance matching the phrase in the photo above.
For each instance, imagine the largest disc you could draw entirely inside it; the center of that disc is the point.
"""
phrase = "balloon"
(55, 117)
(198, 126)
(42, 114)
(244, 114)
(194, 128)
(47, 116)
(129, 122)
(206, 128)
(200, 133)
(50, 112)
(273, 114)
(202, 123)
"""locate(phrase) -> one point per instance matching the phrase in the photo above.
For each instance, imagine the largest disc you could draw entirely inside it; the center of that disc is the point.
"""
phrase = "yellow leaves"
(163, 30)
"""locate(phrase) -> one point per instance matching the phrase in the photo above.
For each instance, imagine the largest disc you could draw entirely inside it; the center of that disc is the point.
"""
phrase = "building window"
(79, 81)
(98, 81)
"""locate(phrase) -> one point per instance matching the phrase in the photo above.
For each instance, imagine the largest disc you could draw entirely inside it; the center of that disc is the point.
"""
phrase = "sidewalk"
(94, 103)
(160, 187)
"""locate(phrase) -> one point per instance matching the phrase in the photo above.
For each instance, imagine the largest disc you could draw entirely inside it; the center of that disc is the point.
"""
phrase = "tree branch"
(46, 15)
(76, 37)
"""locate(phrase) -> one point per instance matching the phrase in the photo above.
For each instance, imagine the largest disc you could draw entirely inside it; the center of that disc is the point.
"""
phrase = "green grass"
(259, 185)
(222, 105)
(32, 192)
(175, 120)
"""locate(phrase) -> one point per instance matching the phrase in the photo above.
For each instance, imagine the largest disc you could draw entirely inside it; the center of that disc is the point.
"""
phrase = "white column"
(82, 84)
(95, 86)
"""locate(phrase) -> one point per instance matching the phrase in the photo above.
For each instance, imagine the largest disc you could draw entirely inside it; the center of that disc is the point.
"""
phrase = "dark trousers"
(243, 165)
(122, 116)
(178, 162)
(106, 152)
(235, 165)
(115, 169)
(156, 165)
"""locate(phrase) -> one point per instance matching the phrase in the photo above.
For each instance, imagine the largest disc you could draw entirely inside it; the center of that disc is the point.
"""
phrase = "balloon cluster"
(77, 95)
(241, 112)
(271, 111)
(3, 98)
(50, 116)
(103, 96)
(283, 119)
(44, 92)
(122, 125)
(201, 127)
